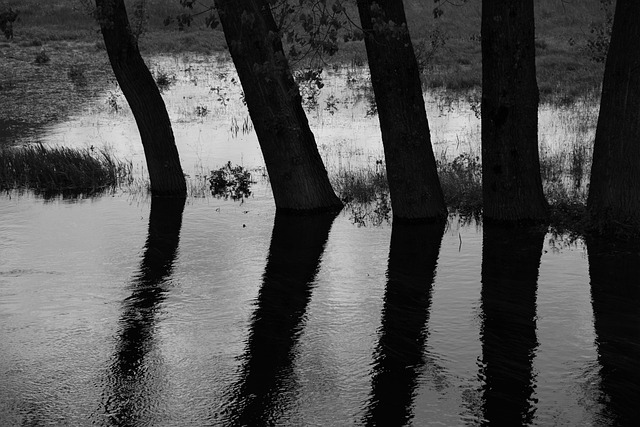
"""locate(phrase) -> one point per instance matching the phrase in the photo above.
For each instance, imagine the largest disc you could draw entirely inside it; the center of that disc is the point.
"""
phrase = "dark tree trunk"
(414, 185)
(298, 178)
(143, 96)
(511, 183)
(510, 264)
(614, 191)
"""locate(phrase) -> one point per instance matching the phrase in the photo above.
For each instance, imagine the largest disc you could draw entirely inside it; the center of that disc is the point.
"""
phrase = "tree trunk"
(512, 187)
(414, 185)
(298, 178)
(614, 191)
(143, 96)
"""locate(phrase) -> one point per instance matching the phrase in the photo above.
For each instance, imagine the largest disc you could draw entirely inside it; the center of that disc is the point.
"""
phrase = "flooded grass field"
(122, 310)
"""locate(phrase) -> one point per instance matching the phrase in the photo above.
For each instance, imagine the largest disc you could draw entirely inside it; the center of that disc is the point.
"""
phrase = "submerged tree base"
(53, 171)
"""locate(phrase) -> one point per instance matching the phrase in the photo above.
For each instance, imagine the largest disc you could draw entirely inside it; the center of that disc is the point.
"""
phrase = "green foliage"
(61, 170)
(231, 182)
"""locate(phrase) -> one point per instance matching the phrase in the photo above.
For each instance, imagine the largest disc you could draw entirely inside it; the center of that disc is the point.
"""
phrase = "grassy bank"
(448, 47)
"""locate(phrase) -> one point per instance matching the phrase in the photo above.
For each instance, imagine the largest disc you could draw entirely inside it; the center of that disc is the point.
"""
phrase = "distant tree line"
(512, 186)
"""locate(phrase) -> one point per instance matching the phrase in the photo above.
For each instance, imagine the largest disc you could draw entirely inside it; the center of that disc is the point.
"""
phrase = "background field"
(57, 58)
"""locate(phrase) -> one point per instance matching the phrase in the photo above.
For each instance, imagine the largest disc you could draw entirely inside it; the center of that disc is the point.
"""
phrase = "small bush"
(42, 57)
(112, 101)
(164, 80)
(202, 110)
(231, 182)
(76, 75)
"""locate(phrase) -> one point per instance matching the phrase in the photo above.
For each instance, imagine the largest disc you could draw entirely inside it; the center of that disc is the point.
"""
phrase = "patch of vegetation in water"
(61, 170)
(231, 181)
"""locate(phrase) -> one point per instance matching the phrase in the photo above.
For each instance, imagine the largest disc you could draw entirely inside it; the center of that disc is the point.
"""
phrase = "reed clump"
(61, 170)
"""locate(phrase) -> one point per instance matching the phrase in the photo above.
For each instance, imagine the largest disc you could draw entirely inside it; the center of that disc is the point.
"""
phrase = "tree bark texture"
(298, 177)
(512, 187)
(414, 185)
(143, 96)
(614, 191)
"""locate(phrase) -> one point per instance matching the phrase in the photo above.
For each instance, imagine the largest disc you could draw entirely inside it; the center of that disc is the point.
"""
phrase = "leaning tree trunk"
(298, 177)
(512, 187)
(143, 96)
(614, 191)
(414, 185)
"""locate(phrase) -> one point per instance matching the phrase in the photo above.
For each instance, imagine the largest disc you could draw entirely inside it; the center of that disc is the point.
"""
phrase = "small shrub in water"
(164, 80)
(202, 110)
(231, 182)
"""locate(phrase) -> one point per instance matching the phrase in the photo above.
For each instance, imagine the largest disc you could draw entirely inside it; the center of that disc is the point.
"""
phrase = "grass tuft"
(53, 171)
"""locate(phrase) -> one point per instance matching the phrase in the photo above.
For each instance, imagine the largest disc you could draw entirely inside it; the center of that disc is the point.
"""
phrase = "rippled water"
(120, 310)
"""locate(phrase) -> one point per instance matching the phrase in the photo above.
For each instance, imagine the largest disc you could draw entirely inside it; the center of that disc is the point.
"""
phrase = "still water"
(123, 311)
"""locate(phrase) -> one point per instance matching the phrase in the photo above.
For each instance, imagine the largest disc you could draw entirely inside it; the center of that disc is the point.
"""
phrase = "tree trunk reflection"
(614, 268)
(399, 358)
(267, 384)
(134, 379)
(510, 263)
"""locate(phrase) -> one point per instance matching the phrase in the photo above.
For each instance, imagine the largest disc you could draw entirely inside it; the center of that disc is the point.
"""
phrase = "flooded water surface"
(121, 310)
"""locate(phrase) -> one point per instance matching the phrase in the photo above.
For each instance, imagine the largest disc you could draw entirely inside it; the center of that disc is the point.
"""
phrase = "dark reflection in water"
(399, 357)
(134, 384)
(267, 384)
(510, 263)
(614, 268)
